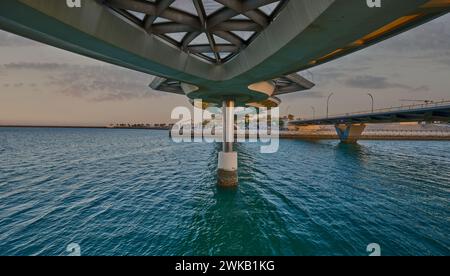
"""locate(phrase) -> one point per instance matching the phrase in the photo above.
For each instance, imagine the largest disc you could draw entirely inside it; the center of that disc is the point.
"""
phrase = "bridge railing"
(387, 110)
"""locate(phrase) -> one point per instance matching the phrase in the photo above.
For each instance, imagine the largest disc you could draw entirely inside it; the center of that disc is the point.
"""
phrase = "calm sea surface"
(134, 192)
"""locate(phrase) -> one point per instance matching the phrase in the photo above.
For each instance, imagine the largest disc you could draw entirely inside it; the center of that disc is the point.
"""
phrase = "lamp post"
(328, 101)
(371, 96)
(314, 112)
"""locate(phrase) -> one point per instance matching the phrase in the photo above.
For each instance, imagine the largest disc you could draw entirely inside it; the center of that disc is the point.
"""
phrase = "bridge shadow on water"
(352, 157)
(354, 150)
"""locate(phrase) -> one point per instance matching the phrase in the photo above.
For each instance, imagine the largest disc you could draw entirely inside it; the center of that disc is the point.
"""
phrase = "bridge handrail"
(387, 109)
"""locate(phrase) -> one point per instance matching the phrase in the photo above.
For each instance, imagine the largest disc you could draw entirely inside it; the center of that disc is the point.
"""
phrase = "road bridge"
(350, 126)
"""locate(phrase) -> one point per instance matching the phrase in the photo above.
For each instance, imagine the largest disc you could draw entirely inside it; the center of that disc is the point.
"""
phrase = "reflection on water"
(356, 152)
(134, 192)
(350, 148)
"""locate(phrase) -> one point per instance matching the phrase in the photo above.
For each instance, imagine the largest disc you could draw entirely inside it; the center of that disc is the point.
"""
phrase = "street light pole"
(314, 112)
(371, 96)
(328, 101)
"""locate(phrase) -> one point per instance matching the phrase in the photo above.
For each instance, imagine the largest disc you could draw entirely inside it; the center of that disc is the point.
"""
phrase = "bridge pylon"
(227, 175)
(349, 133)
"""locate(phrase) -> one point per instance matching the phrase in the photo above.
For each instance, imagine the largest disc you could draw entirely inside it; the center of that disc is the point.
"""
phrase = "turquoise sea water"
(134, 192)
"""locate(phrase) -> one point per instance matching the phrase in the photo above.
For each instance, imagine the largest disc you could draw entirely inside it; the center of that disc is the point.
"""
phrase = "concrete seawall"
(366, 137)
(376, 132)
(419, 132)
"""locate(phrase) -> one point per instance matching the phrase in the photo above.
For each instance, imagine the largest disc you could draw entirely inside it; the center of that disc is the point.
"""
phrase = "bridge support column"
(228, 160)
(349, 133)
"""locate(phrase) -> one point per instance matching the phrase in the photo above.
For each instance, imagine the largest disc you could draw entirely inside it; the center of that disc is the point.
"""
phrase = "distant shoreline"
(38, 126)
(293, 136)
(87, 127)
(368, 137)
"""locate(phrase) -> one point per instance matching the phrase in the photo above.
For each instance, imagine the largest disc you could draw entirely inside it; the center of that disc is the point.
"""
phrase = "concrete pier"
(228, 159)
(349, 133)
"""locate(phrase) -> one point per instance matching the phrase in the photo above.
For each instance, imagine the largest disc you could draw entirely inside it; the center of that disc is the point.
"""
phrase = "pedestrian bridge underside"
(225, 52)
(250, 51)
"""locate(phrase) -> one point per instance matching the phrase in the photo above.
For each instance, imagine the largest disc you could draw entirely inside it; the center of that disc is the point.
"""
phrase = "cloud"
(37, 66)
(326, 74)
(103, 83)
(19, 85)
(445, 61)
(311, 94)
(337, 70)
(97, 83)
(375, 82)
(11, 40)
(432, 36)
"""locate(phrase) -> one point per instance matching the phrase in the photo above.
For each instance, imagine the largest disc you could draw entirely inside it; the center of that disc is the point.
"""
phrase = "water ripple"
(134, 192)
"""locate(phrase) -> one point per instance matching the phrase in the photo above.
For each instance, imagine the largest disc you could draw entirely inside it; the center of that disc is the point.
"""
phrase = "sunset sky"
(40, 84)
